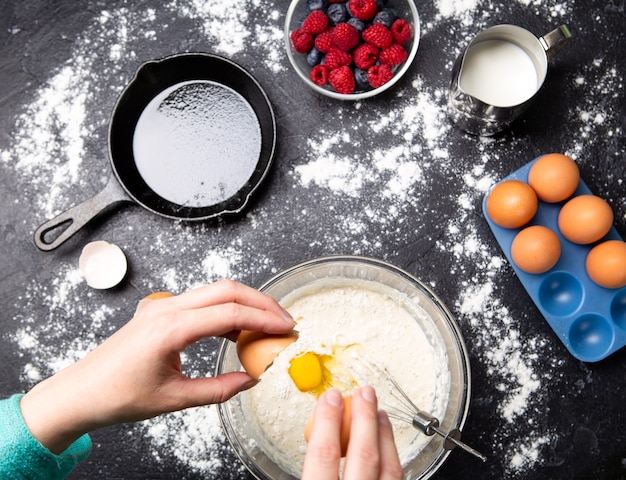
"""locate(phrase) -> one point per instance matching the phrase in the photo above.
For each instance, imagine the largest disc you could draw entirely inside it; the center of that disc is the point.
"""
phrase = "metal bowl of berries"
(351, 49)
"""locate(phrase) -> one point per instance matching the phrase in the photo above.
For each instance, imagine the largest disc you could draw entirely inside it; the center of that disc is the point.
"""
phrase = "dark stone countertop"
(388, 178)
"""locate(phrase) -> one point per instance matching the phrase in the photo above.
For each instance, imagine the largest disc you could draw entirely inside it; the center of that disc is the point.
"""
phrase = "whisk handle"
(425, 422)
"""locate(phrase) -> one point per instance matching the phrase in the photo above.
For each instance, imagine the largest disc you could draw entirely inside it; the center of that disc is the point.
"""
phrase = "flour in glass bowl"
(412, 146)
(353, 324)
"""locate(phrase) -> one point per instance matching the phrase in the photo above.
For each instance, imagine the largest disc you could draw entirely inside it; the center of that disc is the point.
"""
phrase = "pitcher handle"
(555, 40)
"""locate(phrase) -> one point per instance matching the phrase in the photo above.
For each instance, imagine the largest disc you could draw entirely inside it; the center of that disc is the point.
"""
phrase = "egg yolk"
(314, 373)
(306, 371)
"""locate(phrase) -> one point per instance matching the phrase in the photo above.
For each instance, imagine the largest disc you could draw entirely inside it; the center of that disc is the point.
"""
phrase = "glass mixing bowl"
(298, 10)
(412, 291)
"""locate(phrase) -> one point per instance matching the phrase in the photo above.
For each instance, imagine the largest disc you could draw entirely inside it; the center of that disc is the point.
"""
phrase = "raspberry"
(362, 9)
(319, 75)
(302, 41)
(352, 45)
(393, 55)
(378, 75)
(336, 58)
(345, 36)
(365, 55)
(324, 41)
(378, 35)
(400, 31)
(315, 22)
(342, 80)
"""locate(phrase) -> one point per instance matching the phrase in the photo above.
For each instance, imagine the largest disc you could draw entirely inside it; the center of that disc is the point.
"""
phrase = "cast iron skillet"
(127, 184)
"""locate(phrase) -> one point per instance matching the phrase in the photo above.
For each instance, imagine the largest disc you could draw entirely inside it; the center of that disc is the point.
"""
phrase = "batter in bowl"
(351, 324)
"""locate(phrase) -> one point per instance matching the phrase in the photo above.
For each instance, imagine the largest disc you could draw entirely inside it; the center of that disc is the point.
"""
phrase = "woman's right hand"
(372, 453)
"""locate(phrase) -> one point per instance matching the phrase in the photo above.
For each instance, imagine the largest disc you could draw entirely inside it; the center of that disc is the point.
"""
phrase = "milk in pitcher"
(499, 73)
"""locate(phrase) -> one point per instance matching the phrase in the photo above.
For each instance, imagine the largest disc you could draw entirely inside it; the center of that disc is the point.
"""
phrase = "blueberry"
(356, 23)
(314, 57)
(337, 13)
(381, 3)
(360, 78)
(386, 16)
(316, 5)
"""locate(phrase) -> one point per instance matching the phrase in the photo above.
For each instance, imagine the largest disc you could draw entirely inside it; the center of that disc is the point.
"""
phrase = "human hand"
(136, 373)
(371, 454)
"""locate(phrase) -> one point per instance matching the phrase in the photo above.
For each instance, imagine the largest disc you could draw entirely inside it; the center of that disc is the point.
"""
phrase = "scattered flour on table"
(592, 113)
(466, 10)
(47, 152)
(411, 145)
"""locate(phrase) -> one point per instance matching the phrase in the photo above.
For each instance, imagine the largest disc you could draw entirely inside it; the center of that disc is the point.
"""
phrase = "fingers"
(205, 391)
(324, 448)
(372, 452)
(390, 467)
(229, 291)
(363, 459)
(226, 320)
(220, 309)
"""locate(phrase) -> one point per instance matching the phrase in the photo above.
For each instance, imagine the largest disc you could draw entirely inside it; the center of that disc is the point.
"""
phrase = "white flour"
(411, 145)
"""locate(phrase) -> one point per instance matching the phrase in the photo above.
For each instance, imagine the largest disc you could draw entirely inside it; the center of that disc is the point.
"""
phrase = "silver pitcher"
(493, 101)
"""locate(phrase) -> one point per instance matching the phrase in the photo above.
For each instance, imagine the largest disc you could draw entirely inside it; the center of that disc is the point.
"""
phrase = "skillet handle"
(72, 220)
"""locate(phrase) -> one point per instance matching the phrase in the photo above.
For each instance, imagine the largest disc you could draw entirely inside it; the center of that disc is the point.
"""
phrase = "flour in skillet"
(66, 121)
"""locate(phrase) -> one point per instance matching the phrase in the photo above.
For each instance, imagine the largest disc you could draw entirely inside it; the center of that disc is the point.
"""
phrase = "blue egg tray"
(589, 319)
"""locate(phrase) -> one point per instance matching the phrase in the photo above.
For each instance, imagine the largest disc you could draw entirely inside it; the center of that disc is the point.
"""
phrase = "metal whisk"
(406, 411)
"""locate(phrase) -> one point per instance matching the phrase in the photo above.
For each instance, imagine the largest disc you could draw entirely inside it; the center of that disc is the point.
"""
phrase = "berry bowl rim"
(398, 74)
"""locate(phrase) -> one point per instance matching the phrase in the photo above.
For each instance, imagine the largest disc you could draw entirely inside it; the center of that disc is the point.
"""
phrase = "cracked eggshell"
(102, 264)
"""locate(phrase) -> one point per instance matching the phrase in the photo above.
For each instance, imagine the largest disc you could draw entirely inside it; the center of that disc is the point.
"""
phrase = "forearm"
(22, 456)
(56, 412)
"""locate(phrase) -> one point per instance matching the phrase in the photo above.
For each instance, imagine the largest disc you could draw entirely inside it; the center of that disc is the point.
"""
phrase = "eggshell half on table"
(102, 264)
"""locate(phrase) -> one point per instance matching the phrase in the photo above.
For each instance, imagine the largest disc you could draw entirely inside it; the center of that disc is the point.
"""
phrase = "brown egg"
(585, 219)
(345, 425)
(511, 204)
(606, 264)
(153, 296)
(554, 177)
(257, 350)
(536, 249)
(158, 295)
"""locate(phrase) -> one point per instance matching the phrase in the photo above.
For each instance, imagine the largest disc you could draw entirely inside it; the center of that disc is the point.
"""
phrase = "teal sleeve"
(23, 457)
